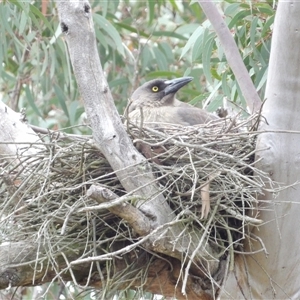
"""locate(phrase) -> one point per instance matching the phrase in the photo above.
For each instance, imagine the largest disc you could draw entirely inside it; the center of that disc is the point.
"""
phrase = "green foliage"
(250, 24)
(137, 41)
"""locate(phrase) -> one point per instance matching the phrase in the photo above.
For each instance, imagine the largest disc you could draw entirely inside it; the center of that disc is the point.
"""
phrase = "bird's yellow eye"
(155, 88)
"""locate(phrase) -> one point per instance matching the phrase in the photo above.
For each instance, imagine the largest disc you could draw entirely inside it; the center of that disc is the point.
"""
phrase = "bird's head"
(157, 92)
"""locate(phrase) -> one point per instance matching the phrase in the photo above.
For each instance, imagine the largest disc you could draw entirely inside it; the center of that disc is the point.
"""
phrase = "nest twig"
(46, 200)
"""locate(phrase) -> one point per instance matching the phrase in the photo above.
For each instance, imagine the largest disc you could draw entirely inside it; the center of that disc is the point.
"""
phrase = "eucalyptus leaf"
(61, 99)
(206, 57)
(107, 27)
(31, 101)
(194, 37)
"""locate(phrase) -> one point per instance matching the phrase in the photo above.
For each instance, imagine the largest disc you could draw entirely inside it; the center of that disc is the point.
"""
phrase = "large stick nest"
(42, 200)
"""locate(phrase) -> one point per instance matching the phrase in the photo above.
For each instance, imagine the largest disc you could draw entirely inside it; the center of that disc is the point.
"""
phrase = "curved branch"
(135, 218)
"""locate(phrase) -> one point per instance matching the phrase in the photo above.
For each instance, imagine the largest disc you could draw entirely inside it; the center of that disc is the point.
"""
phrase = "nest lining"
(45, 208)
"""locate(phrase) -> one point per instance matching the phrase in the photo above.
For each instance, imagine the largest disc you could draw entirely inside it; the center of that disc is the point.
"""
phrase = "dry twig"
(54, 210)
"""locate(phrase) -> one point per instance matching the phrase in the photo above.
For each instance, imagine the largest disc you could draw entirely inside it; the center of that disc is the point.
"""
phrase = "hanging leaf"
(110, 31)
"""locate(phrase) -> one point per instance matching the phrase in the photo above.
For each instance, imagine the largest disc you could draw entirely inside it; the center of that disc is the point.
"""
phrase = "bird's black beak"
(174, 85)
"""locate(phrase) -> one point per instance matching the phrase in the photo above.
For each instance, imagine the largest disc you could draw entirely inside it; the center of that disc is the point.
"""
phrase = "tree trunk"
(132, 169)
(275, 274)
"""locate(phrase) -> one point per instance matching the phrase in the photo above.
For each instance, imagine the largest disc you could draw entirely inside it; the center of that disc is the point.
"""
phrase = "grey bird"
(155, 102)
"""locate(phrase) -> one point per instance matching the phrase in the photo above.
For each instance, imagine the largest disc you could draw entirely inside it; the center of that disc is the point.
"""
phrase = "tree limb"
(15, 135)
(135, 218)
(274, 272)
(232, 54)
(132, 169)
(161, 275)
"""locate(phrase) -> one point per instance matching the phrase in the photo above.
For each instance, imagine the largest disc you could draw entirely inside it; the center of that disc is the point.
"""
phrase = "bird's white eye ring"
(155, 89)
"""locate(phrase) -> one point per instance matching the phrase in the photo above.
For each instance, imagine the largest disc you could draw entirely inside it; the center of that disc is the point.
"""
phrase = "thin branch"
(135, 218)
(232, 54)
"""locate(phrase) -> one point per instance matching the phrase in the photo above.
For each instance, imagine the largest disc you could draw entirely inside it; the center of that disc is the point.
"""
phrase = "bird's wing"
(181, 104)
(193, 115)
(185, 115)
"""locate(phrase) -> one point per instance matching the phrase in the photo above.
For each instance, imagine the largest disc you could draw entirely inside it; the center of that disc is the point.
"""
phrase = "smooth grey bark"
(131, 167)
(15, 134)
(232, 54)
(276, 275)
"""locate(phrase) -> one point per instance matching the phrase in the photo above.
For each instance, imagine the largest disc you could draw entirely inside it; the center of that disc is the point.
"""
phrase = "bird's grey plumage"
(157, 100)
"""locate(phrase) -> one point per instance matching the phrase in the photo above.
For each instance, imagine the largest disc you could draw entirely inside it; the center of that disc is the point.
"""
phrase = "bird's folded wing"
(184, 115)
(193, 115)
